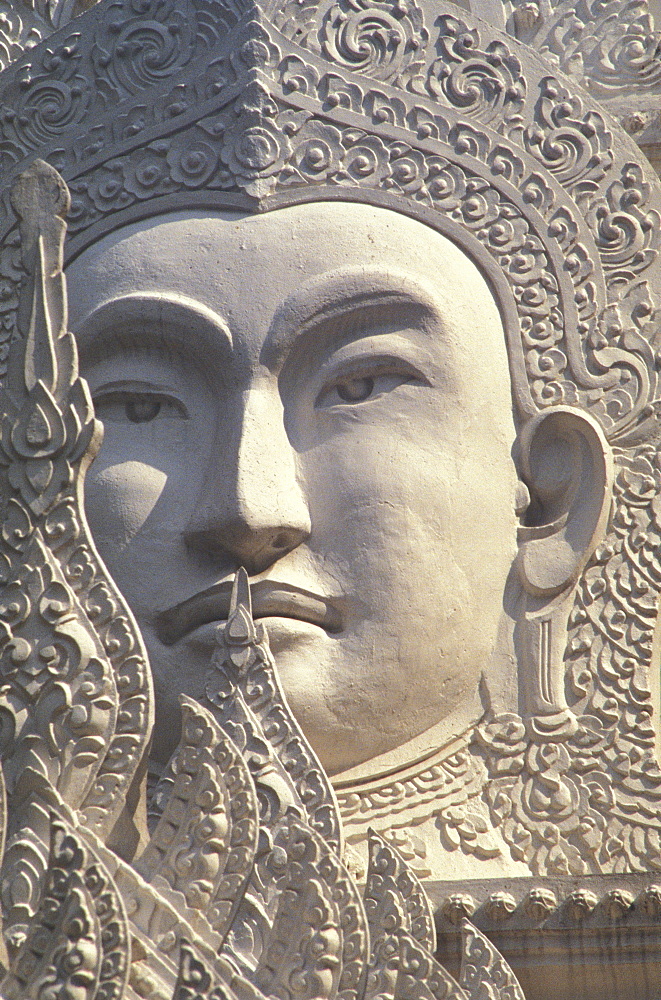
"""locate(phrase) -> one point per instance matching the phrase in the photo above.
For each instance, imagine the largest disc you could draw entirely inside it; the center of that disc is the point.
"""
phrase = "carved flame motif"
(240, 890)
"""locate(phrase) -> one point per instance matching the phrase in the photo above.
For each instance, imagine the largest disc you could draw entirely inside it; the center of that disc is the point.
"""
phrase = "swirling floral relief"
(365, 158)
(487, 83)
(17, 35)
(145, 42)
(253, 148)
(147, 173)
(627, 232)
(253, 145)
(52, 94)
(408, 168)
(379, 38)
(558, 807)
(191, 163)
(318, 152)
(573, 144)
(612, 46)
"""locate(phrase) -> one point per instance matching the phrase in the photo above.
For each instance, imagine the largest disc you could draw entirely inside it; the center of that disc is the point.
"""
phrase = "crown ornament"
(142, 106)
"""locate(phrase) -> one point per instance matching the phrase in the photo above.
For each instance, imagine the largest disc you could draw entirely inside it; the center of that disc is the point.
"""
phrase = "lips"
(269, 599)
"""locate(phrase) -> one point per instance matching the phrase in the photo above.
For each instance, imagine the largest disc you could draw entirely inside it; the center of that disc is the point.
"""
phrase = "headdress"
(142, 104)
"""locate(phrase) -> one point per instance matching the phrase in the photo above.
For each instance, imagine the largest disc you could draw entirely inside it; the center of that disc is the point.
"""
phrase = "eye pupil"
(141, 409)
(355, 390)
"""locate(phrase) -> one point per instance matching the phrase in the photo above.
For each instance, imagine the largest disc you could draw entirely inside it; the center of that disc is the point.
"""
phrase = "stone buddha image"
(405, 377)
(343, 430)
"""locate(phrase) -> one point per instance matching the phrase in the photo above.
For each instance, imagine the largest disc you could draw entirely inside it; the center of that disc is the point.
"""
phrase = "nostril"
(281, 541)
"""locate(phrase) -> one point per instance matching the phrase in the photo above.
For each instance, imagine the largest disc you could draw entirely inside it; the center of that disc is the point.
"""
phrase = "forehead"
(244, 268)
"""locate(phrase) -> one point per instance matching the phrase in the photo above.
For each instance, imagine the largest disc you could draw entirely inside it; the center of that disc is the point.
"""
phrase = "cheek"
(416, 519)
(120, 498)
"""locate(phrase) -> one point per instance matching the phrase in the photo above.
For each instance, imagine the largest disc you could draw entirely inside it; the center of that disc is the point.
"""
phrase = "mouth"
(269, 599)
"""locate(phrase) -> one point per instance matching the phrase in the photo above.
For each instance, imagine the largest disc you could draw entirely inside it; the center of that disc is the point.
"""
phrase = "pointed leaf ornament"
(75, 697)
(244, 692)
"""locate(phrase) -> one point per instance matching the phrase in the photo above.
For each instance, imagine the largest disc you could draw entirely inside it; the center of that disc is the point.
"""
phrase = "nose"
(252, 507)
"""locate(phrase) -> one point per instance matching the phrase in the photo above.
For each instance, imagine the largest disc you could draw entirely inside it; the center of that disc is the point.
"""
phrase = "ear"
(567, 465)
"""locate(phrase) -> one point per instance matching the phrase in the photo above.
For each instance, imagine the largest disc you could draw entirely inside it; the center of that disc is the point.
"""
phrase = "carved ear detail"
(568, 468)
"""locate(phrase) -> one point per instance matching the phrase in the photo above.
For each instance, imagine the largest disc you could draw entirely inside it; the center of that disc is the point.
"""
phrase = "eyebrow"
(162, 321)
(344, 292)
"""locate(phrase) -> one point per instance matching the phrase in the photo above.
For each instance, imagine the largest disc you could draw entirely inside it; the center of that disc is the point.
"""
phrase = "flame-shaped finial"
(239, 635)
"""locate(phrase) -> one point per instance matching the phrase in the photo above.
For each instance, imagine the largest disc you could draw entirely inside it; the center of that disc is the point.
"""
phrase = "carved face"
(320, 394)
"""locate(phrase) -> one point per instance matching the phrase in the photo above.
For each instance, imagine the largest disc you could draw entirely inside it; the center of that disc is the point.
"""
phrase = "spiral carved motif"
(573, 145)
(141, 50)
(378, 39)
(613, 45)
(487, 84)
(58, 101)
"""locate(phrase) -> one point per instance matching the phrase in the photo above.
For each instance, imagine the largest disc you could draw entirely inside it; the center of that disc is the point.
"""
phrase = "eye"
(142, 409)
(353, 389)
(137, 407)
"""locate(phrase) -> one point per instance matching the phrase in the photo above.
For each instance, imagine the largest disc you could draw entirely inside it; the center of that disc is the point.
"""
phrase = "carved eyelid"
(123, 392)
(346, 296)
(400, 378)
(373, 355)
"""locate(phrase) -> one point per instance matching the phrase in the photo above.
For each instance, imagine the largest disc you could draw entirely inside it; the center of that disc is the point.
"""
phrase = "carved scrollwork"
(487, 84)
(482, 965)
(259, 145)
(77, 942)
(573, 145)
(625, 228)
(243, 684)
(612, 47)
(206, 839)
(378, 39)
(141, 50)
(65, 675)
(195, 980)
(390, 885)
(17, 34)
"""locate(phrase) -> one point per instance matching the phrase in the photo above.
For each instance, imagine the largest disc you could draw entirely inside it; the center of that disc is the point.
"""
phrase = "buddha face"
(320, 394)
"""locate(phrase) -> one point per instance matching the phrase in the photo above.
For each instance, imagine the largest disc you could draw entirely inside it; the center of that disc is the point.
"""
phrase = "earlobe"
(567, 465)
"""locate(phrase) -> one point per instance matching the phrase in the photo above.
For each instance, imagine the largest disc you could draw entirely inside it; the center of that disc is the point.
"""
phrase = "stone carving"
(190, 104)
(612, 48)
(206, 106)
(25, 23)
(239, 890)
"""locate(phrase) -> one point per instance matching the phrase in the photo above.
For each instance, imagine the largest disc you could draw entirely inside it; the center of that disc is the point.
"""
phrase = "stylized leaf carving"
(77, 943)
(245, 693)
(77, 701)
(394, 898)
(205, 842)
